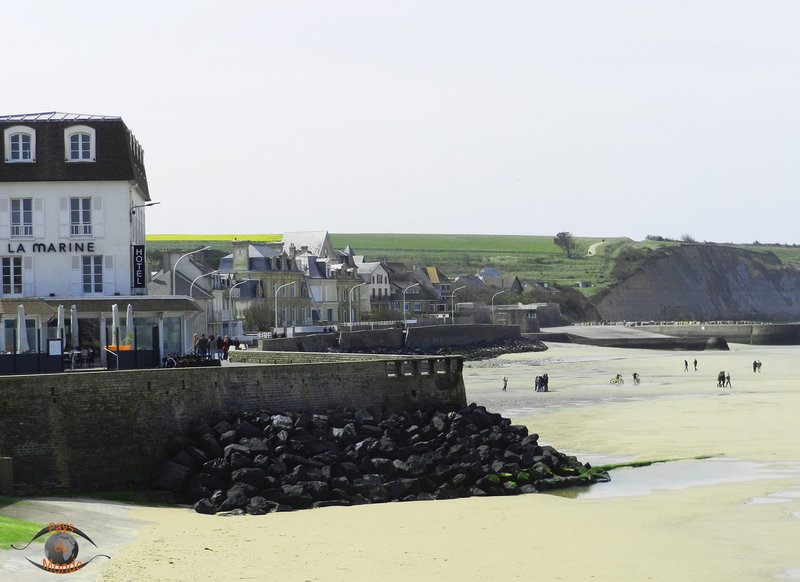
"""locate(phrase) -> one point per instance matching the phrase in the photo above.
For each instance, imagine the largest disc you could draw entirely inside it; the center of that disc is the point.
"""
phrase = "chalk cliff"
(705, 282)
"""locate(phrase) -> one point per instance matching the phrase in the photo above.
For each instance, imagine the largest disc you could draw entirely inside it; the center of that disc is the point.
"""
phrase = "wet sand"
(716, 528)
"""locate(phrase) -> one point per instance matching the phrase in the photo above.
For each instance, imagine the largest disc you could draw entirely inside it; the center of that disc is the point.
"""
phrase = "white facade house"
(73, 193)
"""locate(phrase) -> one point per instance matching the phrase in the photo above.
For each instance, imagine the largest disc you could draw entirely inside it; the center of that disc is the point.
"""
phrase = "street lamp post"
(175, 266)
(453, 302)
(146, 204)
(191, 287)
(404, 299)
(200, 277)
(493, 296)
(350, 297)
(276, 303)
(233, 303)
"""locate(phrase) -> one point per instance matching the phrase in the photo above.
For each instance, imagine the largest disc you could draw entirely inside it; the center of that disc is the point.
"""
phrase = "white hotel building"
(73, 195)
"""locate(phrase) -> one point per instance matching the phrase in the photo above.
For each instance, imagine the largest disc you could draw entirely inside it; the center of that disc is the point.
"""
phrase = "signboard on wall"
(139, 265)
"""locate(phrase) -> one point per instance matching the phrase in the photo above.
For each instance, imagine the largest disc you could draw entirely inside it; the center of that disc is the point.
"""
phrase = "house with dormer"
(73, 197)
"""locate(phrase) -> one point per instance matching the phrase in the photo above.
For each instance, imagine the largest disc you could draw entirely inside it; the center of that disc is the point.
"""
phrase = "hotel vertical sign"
(139, 279)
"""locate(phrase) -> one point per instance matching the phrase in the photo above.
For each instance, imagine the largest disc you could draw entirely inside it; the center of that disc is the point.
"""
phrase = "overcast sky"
(603, 118)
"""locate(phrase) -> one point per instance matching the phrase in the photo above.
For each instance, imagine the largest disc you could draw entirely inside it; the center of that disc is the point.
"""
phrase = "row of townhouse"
(300, 281)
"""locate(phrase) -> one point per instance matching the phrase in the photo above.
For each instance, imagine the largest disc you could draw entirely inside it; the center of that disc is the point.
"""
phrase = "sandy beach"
(733, 517)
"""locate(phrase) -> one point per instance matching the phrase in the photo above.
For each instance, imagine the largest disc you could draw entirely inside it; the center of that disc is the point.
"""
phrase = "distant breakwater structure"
(262, 462)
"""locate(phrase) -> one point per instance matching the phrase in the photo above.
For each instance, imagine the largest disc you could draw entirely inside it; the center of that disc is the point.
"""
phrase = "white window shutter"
(76, 277)
(108, 275)
(63, 218)
(98, 218)
(27, 276)
(38, 217)
(5, 217)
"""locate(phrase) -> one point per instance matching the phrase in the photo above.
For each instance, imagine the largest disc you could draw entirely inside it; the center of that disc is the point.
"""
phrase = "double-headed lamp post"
(404, 299)
(493, 296)
(453, 302)
(233, 302)
(350, 297)
(175, 266)
(276, 303)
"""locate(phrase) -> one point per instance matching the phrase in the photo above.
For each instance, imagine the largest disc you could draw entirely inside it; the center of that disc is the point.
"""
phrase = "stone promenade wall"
(95, 431)
(745, 333)
(418, 337)
(370, 339)
(458, 335)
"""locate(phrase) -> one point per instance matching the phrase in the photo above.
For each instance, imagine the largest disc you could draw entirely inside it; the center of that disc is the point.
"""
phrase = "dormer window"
(20, 144)
(79, 144)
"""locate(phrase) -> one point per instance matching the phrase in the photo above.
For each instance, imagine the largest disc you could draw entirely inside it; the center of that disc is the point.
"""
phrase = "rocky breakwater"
(260, 462)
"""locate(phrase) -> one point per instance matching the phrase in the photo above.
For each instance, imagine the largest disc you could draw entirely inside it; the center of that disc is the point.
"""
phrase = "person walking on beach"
(695, 364)
(728, 380)
(721, 380)
(758, 366)
(686, 365)
(755, 366)
(505, 383)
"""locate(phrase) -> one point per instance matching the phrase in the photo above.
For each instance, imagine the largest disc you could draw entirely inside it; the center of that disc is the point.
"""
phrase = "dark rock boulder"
(263, 462)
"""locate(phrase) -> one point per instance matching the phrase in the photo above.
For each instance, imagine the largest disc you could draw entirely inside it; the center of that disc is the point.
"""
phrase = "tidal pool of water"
(633, 481)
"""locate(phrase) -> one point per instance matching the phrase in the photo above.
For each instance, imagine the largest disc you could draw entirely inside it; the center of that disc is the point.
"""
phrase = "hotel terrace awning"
(141, 304)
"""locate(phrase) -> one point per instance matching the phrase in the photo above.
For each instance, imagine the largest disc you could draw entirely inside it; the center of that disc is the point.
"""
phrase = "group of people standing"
(214, 347)
(724, 380)
(540, 383)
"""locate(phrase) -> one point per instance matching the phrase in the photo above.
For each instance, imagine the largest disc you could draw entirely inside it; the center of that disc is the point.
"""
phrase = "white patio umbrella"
(22, 331)
(73, 323)
(60, 323)
(115, 325)
(129, 327)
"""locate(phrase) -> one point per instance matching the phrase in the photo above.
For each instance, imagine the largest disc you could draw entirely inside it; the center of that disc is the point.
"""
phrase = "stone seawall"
(94, 431)
(742, 333)
(458, 335)
(416, 337)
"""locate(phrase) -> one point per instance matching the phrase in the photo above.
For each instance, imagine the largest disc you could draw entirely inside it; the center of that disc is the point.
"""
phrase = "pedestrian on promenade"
(686, 365)
(695, 364)
(505, 383)
(728, 380)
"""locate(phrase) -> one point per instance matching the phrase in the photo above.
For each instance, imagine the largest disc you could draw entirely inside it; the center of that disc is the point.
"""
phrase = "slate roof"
(119, 156)
(257, 255)
(316, 241)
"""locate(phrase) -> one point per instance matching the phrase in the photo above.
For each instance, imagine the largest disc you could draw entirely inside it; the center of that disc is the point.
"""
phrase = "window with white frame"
(20, 144)
(79, 144)
(21, 217)
(12, 275)
(80, 217)
(92, 270)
